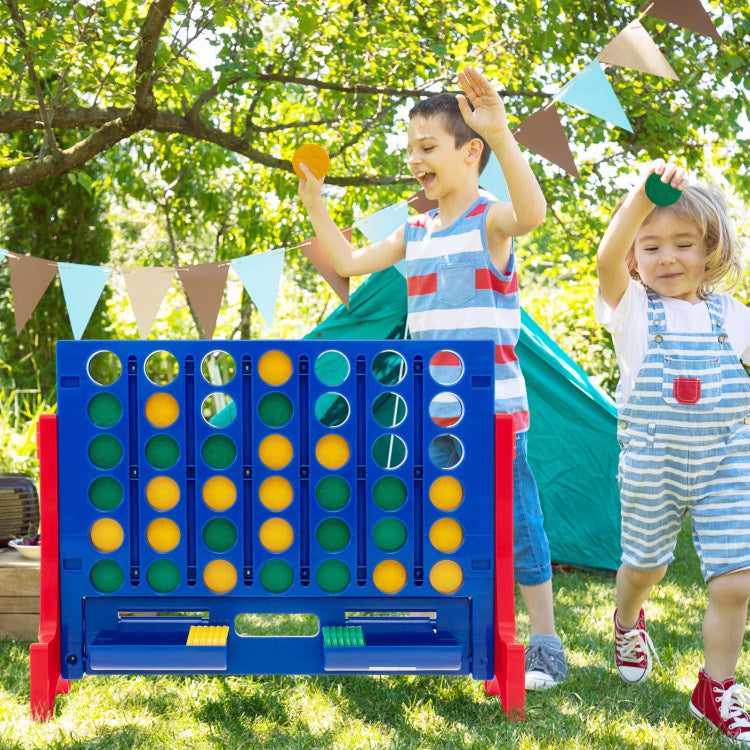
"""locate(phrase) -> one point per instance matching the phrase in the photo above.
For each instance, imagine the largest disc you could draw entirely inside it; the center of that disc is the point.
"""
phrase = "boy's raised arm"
(612, 256)
(527, 206)
(346, 259)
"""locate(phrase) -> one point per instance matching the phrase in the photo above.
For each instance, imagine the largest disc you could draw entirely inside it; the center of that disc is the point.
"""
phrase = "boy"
(461, 281)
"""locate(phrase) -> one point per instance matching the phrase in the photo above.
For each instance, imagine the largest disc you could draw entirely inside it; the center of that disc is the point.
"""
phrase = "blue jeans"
(531, 557)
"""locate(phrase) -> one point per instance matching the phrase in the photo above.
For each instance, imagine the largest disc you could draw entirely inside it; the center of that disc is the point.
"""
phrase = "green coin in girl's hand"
(661, 193)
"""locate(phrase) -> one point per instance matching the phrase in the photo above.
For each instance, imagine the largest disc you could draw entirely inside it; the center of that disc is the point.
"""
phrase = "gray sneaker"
(545, 667)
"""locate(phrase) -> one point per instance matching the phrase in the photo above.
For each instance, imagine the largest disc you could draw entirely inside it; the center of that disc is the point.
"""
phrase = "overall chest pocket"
(456, 285)
(692, 383)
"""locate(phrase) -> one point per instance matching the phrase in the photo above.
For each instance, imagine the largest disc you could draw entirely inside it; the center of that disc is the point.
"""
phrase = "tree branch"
(145, 102)
(377, 90)
(21, 32)
(112, 129)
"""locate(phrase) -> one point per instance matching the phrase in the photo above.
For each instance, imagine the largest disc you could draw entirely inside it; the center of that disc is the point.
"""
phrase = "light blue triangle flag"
(260, 274)
(493, 180)
(3, 253)
(82, 286)
(382, 223)
(592, 92)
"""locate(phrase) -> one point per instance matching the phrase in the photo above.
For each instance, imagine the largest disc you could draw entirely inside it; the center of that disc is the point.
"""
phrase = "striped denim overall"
(685, 448)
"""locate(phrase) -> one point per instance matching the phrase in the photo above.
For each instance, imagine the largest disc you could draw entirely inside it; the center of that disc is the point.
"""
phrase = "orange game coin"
(314, 156)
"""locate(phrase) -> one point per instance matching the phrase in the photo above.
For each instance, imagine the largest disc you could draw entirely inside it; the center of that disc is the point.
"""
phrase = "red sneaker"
(633, 649)
(719, 704)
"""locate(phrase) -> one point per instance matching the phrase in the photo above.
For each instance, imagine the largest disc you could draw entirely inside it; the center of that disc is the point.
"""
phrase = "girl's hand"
(309, 188)
(488, 115)
(670, 174)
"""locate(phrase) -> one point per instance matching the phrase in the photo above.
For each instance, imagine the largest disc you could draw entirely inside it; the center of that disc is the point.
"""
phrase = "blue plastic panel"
(225, 548)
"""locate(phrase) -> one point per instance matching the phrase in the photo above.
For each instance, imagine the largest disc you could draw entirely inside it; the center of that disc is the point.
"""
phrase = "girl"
(684, 425)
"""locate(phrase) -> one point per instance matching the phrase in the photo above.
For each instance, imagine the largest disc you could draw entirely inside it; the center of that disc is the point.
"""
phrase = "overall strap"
(656, 316)
(713, 302)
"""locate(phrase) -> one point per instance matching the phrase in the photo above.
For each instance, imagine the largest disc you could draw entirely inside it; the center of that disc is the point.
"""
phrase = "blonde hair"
(706, 208)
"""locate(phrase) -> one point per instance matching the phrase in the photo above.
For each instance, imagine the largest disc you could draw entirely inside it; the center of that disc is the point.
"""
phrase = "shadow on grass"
(237, 703)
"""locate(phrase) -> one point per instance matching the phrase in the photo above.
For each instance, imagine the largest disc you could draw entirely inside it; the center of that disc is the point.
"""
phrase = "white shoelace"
(630, 644)
(730, 708)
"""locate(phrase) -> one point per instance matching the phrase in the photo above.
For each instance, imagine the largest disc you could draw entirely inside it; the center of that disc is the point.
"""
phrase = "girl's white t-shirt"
(628, 324)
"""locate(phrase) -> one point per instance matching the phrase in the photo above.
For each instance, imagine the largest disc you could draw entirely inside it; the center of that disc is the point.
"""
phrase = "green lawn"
(593, 709)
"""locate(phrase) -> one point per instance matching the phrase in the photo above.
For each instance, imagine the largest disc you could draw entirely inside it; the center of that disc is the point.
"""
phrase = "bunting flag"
(29, 279)
(383, 223)
(260, 274)
(543, 133)
(82, 286)
(317, 256)
(3, 253)
(592, 92)
(204, 286)
(633, 48)
(146, 286)
(421, 203)
(492, 179)
(690, 14)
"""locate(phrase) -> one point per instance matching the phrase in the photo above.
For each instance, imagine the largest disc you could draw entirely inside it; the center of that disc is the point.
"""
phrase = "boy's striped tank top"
(455, 292)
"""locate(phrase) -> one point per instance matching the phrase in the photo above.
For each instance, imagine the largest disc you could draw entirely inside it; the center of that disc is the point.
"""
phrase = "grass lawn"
(593, 709)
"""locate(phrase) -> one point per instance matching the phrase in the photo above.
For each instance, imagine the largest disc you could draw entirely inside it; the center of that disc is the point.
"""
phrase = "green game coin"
(661, 193)
(333, 576)
(275, 409)
(105, 410)
(332, 493)
(276, 576)
(105, 493)
(163, 576)
(105, 451)
(219, 535)
(162, 451)
(106, 576)
(332, 535)
(219, 451)
(389, 534)
(389, 493)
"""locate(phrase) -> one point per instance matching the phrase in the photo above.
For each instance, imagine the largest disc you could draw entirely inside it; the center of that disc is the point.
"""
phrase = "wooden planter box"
(19, 596)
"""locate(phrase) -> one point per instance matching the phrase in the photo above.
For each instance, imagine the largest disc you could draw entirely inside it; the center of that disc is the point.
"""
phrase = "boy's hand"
(488, 115)
(309, 188)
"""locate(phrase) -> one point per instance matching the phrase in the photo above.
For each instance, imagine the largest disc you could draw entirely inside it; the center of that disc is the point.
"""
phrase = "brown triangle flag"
(317, 256)
(421, 203)
(29, 279)
(146, 286)
(543, 133)
(204, 286)
(634, 48)
(690, 14)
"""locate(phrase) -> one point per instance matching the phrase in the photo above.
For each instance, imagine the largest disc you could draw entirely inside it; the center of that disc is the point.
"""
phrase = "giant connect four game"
(188, 485)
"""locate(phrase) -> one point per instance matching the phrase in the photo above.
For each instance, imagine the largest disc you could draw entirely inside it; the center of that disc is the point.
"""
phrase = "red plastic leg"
(509, 680)
(46, 681)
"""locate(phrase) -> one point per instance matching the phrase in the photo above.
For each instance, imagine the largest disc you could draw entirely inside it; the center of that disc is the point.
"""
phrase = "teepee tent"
(572, 441)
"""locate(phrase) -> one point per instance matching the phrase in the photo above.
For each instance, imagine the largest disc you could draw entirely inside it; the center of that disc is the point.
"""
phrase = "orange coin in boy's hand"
(314, 156)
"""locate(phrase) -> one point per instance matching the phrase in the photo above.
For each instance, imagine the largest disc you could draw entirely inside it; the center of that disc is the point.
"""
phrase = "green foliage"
(19, 412)
(60, 219)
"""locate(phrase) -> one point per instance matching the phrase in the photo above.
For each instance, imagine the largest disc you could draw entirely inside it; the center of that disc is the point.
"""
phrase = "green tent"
(572, 441)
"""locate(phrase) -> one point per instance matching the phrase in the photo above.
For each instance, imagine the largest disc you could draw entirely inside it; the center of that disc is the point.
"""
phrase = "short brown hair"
(446, 106)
